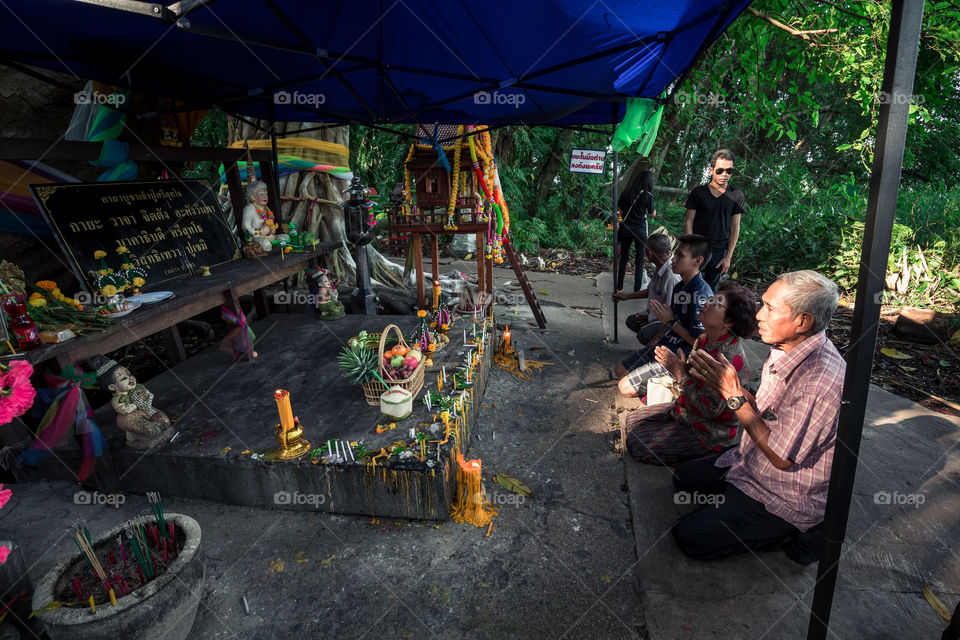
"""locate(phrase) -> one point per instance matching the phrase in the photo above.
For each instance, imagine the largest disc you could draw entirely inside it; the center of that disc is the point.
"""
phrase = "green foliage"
(211, 132)
(801, 115)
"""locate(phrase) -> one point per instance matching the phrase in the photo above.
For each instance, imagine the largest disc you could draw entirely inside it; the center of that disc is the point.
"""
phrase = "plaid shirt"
(661, 287)
(799, 401)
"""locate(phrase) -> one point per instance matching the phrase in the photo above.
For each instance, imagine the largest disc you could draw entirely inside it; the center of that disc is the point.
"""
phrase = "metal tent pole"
(616, 245)
(896, 92)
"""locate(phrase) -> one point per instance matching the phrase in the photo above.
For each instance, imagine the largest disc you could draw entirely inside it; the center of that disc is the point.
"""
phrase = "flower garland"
(454, 181)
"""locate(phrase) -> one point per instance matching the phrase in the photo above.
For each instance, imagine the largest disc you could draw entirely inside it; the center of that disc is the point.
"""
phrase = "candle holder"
(289, 430)
(292, 443)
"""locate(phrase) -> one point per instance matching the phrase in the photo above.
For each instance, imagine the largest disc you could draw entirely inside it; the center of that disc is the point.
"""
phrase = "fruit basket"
(413, 382)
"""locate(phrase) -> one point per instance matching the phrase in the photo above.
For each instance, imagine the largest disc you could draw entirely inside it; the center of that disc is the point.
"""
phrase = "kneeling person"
(774, 484)
(681, 322)
(698, 422)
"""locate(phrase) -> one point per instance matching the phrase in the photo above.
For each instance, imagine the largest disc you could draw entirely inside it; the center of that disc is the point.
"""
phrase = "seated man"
(646, 326)
(681, 322)
(774, 484)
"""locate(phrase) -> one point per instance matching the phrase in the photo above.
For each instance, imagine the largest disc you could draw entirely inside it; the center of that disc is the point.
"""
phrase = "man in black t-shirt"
(713, 211)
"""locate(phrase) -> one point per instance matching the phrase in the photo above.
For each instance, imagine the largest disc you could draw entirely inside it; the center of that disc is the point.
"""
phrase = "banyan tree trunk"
(310, 200)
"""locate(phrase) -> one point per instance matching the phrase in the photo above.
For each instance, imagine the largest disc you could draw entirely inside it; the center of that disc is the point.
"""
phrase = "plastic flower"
(99, 254)
(16, 392)
(109, 290)
(138, 282)
(122, 249)
(49, 285)
(421, 314)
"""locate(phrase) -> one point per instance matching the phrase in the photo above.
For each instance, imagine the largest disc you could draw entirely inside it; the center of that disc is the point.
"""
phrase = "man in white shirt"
(646, 326)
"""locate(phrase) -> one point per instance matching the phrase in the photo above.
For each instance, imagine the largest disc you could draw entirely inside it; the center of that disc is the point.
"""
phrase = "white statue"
(259, 225)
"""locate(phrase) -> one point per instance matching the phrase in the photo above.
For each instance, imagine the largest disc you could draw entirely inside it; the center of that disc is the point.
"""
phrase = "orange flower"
(49, 285)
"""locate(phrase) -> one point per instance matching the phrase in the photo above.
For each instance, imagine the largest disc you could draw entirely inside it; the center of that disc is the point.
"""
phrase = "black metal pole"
(276, 158)
(896, 92)
(616, 245)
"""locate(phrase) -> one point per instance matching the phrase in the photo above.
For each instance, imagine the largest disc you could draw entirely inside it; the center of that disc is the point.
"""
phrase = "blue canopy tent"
(532, 62)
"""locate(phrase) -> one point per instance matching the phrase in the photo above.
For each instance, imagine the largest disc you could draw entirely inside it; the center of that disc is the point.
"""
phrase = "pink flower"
(4, 552)
(16, 392)
(4, 496)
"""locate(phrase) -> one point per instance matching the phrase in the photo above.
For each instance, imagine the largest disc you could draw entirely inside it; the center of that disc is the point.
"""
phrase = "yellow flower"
(122, 249)
(49, 285)
(353, 444)
(38, 302)
(109, 290)
(421, 314)
(36, 296)
(99, 254)
(103, 272)
(433, 325)
(445, 326)
(138, 282)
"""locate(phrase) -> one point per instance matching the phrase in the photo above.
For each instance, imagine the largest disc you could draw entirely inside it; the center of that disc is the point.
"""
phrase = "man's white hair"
(813, 293)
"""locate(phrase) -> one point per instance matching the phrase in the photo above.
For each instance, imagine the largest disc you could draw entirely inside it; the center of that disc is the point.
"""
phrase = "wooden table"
(191, 297)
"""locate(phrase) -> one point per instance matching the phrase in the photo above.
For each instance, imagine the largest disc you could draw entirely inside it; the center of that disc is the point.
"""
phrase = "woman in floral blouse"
(698, 422)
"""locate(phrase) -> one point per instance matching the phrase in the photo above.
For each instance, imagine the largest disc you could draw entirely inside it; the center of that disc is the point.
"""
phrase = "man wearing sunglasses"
(713, 211)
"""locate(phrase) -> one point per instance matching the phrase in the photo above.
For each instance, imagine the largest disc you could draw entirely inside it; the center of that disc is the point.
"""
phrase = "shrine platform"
(225, 416)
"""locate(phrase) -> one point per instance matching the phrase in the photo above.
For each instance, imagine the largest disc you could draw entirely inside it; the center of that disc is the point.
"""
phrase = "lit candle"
(506, 338)
(283, 406)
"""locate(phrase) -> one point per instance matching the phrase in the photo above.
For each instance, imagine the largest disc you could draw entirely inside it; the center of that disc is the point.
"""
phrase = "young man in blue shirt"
(681, 324)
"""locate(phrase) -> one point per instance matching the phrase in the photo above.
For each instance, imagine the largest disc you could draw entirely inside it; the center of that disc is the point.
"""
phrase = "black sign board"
(170, 227)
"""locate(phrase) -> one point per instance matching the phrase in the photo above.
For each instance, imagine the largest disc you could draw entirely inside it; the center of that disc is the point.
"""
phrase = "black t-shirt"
(713, 213)
(635, 205)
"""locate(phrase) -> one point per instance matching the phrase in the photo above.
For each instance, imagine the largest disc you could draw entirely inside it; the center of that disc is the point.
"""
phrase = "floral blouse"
(703, 408)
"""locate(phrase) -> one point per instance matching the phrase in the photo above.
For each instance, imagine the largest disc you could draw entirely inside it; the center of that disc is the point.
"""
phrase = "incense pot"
(165, 607)
(289, 432)
(145, 426)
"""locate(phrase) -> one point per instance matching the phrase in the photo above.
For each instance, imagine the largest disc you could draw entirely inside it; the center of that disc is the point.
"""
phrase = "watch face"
(735, 403)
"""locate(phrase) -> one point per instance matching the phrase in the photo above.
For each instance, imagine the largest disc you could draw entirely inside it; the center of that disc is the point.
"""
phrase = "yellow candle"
(283, 406)
(436, 296)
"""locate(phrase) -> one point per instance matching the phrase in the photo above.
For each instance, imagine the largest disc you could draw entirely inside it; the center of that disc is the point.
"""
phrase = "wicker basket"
(373, 389)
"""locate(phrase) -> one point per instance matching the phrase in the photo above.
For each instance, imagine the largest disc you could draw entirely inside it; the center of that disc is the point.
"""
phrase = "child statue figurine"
(259, 225)
(328, 301)
(144, 426)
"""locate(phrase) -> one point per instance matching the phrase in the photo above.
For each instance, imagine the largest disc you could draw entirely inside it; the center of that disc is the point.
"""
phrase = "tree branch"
(794, 32)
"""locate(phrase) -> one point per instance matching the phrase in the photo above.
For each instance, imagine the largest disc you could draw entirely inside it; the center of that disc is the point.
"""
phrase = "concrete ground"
(560, 564)
(903, 535)
(588, 556)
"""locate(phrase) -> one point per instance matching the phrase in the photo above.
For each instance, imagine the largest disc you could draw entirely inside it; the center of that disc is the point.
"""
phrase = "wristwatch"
(669, 323)
(735, 402)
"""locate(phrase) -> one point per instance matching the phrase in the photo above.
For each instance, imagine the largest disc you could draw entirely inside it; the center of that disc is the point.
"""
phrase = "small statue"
(145, 426)
(259, 225)
(328, 300)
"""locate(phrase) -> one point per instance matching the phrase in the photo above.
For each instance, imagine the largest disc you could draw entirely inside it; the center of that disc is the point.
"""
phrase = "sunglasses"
(729, 171)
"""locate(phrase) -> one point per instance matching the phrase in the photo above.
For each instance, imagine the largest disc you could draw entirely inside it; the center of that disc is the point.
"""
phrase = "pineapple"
(358, 362)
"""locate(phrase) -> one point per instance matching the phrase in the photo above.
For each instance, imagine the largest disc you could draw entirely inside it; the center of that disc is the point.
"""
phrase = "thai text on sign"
(587, 161)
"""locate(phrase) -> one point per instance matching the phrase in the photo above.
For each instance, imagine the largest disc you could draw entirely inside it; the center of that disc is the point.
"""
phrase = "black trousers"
(735, 523)
(709, 270)
(625, 238)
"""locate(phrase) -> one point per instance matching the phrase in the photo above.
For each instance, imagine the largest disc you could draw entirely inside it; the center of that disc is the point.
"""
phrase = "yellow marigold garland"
(454, 181)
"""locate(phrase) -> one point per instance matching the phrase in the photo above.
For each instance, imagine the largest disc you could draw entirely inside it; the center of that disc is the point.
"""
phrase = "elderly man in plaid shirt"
(774, 483)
